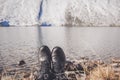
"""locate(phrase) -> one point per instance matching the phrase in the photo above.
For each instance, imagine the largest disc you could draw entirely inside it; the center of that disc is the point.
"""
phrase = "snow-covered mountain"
(61, 12)
(19, 12)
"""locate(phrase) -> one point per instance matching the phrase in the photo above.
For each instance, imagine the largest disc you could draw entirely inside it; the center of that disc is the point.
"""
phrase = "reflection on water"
(17, 43)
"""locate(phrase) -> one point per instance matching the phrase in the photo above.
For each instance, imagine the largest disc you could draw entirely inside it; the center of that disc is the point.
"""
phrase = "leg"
(58, 63)
(45, 64)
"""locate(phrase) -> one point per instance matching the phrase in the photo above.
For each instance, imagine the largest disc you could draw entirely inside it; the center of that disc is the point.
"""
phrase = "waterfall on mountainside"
(40, 10)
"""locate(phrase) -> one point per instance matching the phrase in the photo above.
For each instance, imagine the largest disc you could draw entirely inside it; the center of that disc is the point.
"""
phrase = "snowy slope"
(61, 12)
(19, 12)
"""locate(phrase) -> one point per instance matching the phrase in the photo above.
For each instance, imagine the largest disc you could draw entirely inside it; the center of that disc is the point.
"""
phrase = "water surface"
(17, 43)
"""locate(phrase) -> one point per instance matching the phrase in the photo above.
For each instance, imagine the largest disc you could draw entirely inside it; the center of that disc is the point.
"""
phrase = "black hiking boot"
(58, 63)
(45, 64)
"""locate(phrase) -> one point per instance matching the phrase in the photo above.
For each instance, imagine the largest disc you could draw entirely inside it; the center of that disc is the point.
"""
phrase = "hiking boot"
(45, 64)
(58, 63)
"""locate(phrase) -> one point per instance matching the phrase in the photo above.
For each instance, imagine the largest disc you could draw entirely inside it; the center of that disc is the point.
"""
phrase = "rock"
(73, 66)
(26, 75)
(79, 67)
(69, 66)
(115, 60)
(72, 76)
(21, 63)
(91, 67)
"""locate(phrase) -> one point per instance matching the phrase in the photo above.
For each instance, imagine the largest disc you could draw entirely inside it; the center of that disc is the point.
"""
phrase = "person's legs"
(58, 59)
(45, 64)
(58, 63)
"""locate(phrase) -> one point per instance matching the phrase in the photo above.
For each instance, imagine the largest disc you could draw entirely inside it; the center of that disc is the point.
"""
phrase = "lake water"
(22, 43)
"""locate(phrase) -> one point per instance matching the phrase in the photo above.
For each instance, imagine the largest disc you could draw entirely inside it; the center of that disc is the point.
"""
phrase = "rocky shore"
(82, 69)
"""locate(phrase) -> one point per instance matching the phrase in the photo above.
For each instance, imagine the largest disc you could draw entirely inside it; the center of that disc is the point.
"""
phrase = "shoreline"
(83, 69)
